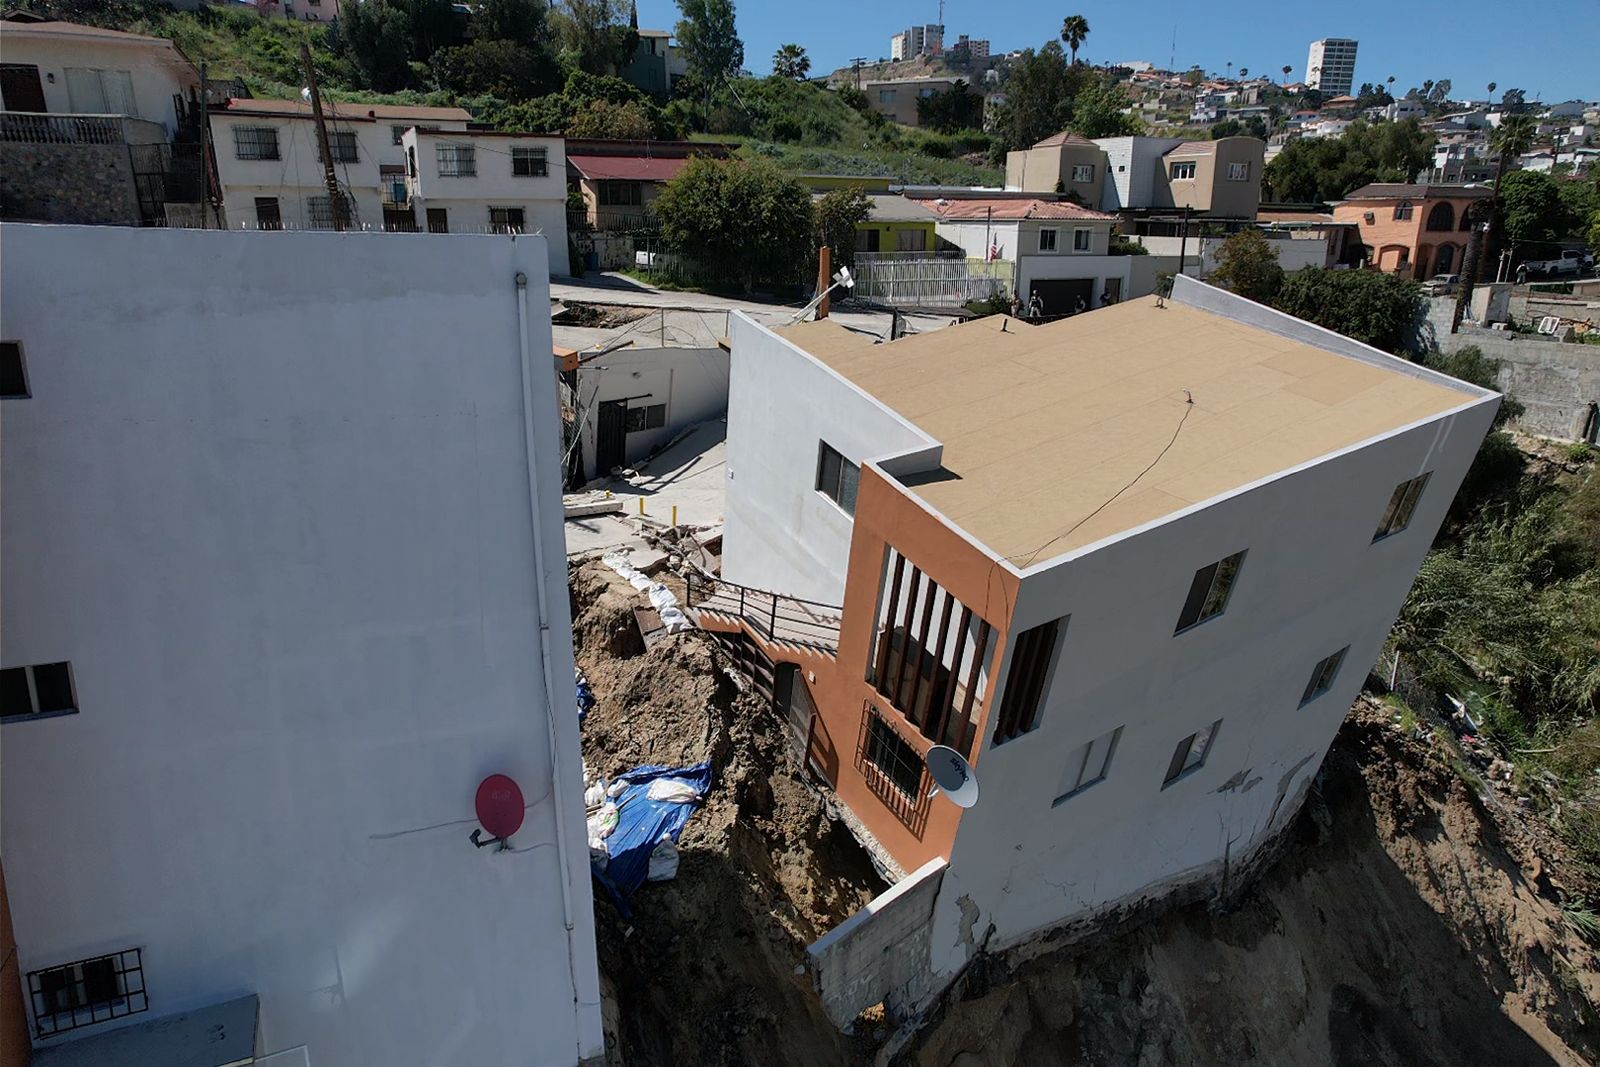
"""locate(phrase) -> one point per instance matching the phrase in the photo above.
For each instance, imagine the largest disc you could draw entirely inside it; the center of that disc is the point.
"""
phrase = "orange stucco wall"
(1407, 245)
(887, 515)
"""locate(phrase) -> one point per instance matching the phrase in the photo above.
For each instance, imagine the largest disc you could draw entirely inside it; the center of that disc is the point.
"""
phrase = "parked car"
(1441, 284)
(1571, 261)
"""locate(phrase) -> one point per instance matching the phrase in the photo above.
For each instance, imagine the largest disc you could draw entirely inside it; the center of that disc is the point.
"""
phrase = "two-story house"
(1131, 566)
(484, 181)
(1415, 231)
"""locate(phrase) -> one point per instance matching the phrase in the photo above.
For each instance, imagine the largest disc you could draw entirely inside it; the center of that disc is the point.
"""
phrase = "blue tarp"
(640, 824)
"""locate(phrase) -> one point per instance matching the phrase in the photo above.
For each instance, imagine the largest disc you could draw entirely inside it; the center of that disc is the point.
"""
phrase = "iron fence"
(928, 279)
(29, 128)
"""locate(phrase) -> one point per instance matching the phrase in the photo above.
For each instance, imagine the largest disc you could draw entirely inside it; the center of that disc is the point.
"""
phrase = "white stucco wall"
(157, 71)
(1133, 165)
(781, 534)
(691, 382)
(1313, 581)
(282, 532)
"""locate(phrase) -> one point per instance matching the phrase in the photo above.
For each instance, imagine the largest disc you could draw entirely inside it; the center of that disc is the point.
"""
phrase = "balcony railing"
(772, 616)
(31, 128)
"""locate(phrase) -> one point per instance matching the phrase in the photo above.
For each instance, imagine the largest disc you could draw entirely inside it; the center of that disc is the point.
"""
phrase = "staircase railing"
(773, 616)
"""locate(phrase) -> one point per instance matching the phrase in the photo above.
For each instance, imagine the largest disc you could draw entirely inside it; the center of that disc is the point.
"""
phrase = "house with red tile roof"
(619, 179)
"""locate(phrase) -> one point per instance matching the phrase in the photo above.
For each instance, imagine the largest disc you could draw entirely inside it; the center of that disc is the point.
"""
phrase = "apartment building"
(1331, 65)
(1415, 231)
(1138, 177)
(485, 181)
(98, 126)
(284, 582)
(1132, 566)
(897, 98)
(970, 49)
(926, 40)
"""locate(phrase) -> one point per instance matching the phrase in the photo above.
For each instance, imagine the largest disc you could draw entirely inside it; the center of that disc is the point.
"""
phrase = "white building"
(917, 41)
(460, 182)
(1331, 65)
(283, 562)
(66, 68)
(1405, 108)
(1133, 566)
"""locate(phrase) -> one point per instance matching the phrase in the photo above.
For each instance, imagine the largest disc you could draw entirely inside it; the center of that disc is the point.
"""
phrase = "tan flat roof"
(1043, 426)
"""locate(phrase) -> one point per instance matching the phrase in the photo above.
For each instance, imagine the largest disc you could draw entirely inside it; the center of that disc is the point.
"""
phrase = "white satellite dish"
(952, 773)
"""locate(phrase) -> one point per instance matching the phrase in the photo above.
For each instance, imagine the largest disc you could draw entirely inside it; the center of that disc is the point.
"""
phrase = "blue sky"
(1454, 40)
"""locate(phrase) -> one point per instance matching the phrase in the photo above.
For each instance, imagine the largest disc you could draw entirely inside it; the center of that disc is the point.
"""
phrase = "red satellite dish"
(500, 807)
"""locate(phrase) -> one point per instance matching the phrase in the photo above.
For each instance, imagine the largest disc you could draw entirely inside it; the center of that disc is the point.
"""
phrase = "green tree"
(1074, 31)
(791, 61)
(1327, 168)
(504, 69)
(1510, 139)
(1376, 309)
(952, 109)
(746, 217)
(1098, 111)
(710, 42)
(1039, 96)
(839, 212)
(595, 36)
(1247, 264)
(1532, 209)
(602, 118)
(1226, 128)
(510, 20)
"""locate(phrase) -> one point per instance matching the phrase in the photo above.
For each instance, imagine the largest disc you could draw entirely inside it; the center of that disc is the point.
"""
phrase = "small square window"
(343, 145)
(1191, 753)
(837, 478)
(36, 691)
(1208, 593)
(529, 162)
(1238, 172)
(397, 133)
(1083, 172)
(1047, 240)
(1323, 676)
(650, 417)
(456, 160)
(1081, 239)
(13, 372)
(894, 758)
(1402, 503)
(255, 142)
(1088, 764)
(506, 220)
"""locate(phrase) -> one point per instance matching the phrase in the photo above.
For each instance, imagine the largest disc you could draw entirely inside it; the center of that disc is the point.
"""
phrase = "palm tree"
(1511, 138)
(1244, 72)
(1074, 30)
(1230, 70)
(1492, 87)
(1390, 82)
(1286, 70)
(791, 61)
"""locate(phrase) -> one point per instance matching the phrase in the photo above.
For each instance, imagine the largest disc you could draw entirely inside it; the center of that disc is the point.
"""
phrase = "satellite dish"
(952, 773)
(500, 809)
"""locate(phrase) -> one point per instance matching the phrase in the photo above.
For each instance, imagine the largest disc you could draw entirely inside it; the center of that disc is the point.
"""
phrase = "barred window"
(506, 219)
(319, 212)
(529, 162)
(255, 142)
(343, 145)
(457, 161)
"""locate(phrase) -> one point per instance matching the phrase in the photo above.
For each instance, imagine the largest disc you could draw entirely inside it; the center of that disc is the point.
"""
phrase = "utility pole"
(335, 197)
(856, 63)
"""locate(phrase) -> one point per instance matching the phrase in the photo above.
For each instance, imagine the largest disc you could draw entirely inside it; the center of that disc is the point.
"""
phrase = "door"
(1112, 293)
(438, 220)
(268, 214)
(20, 87)
(610, 438)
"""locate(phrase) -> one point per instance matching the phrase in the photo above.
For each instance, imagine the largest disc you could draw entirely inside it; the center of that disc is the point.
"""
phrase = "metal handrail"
(764, 618)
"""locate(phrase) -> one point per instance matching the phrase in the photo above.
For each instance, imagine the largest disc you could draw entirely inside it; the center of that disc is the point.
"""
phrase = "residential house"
(619, 180)
(1138, 177)
(652, 65)
(1131, 566)
(1406, 108)
(305, 492)
(1057, 250)
(897, 98)
(99, 126)
(1061, 163)
(483, 181)
(1339, 105)
(897, 224)
(1415, 231)
(1325, 126)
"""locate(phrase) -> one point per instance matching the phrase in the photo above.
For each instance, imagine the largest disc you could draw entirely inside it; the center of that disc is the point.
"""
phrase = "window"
(621, 194)
(255, 142)
(1087, 764)
(1239, 172)
(1047, 240)
(438, 220)
(457, 160)
(100, 92)
(1208, 593)
(1181, 171)
(529, 162)
(837, 478)
(1083, 172)
(1442, 217)
(925, 93)
(87, 992)
(1402, 502)
(1080, 240)
(893, 756)
(651, 417)
(1402, 210)
(1190, 755)
(1030, 668)
(343, 145)
(886, 96)
(319, 212)
(867, 240)
(13, 372)
(911, 240)
(1322, 677)
(506, 219)
(269, 216)
(35, 692)
(397, 133)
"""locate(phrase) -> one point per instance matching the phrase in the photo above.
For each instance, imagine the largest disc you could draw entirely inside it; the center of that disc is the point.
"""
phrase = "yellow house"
(895, 224)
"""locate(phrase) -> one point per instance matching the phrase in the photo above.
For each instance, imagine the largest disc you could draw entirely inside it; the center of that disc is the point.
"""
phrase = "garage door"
(1060, 295)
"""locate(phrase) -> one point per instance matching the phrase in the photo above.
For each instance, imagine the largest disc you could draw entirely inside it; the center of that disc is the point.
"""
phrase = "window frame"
(1087, 236)
(397, 134)
(31, 681)
(1239, 171)
(272, 206)
(463, 159)
(254, 136)
(1081, 167)
(1179, 767)
(535, 159)
(1403, 211)
(1202, 616)
(839, 480)
(1323, 675)
(1188, 166)
(339, 141)
(319, 212)
(1034, 652)
(650, 417)
(1402, 507)
(884, 740)
(505, 224)
(608, 194)
(1054, 243)
(1080, 782)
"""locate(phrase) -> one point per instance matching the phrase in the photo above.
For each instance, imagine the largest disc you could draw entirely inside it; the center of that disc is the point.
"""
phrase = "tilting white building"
(284, 582)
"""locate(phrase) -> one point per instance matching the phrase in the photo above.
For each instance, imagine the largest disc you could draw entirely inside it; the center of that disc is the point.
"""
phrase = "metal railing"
(33, 128)
(889, 763)
(772, 616)
(927, 279)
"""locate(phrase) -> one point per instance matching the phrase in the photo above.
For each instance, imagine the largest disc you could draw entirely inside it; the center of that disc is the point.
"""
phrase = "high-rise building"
(917, 41)
(1331, 65)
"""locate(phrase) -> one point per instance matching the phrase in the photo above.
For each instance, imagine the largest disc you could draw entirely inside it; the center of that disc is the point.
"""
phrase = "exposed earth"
(1407, 921)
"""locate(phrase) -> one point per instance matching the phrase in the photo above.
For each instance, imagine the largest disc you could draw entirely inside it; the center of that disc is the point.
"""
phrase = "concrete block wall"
(880, 954)
(76, 183)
